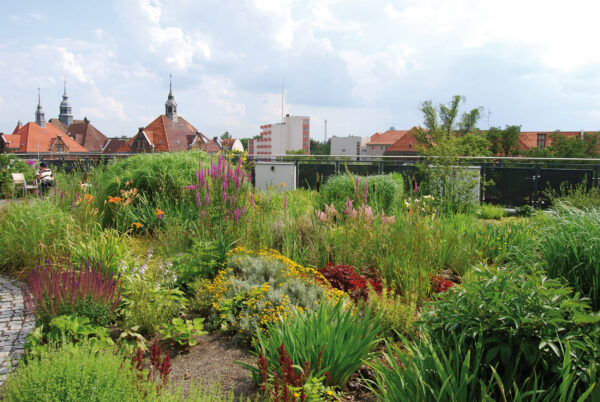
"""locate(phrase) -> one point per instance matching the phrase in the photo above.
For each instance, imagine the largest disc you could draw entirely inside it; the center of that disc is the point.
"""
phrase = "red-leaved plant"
(439, 284)
(87, 291)
(287, 381)
(345, 278)
(160, 367)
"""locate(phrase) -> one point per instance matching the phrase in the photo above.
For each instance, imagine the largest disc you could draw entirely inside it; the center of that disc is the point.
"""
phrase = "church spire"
(65, 116)
(171, 105)
(40, 116)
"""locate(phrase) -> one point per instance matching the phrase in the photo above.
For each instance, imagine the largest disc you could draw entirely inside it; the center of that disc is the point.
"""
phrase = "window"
(541, 141)
(410, 146)
(372, 147)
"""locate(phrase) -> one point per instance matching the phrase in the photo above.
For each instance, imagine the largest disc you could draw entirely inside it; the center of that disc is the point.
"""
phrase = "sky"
(365, 66)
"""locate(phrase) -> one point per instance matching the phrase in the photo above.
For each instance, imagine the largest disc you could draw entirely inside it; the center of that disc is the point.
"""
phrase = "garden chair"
(19, 180)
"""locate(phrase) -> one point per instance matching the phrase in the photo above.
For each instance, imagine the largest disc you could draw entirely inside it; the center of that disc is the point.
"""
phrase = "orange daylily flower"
(159, 213)
(115, 200)
(137, 225)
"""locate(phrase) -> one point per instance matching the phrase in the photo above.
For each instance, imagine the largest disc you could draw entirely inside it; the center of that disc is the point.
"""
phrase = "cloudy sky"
(362, 65)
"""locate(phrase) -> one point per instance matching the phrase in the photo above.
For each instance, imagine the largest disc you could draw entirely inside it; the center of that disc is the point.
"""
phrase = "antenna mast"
(282, 87)
(325, 129)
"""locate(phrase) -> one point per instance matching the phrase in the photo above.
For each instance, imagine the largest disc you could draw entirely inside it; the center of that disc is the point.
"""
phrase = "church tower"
(40, 116)
(65, 116)
(171, 105)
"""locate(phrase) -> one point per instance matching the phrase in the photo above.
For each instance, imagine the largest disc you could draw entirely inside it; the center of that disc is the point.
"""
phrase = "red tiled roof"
(406, 143)
(113, 144)
(11, 140)
(18, 127)
(528, 139)
(212, 147)
(167, 135)
(87, 135)
(31, 136)
(387, 138)
(59, 124)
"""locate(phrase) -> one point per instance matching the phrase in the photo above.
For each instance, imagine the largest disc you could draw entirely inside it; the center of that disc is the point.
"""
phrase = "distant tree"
(320, 148)
(244, 142)
(442, 125)
(226, 136)
(505, 141)
(573, 147)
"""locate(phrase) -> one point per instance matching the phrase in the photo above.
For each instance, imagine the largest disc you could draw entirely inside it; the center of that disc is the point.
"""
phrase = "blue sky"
(365, 66)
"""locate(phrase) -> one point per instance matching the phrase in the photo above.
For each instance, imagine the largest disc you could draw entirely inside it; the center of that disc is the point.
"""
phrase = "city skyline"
(365, 69)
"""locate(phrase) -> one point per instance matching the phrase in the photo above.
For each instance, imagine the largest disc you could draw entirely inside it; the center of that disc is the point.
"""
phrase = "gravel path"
(15, 323)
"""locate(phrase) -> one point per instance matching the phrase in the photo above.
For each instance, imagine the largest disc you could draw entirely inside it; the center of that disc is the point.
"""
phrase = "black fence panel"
(361, 169)
(312, 175)
(553, 180)
(509, 186)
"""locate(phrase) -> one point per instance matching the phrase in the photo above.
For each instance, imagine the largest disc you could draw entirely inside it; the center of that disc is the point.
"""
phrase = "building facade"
(348, 146)
(276, 139)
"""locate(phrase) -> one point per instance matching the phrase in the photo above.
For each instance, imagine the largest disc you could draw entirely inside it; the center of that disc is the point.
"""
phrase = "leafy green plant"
(570, 249)
(76, 373)
(150, 298)
(67, 328)
(11, 164)
(332, 339)
(130, 341)
(521, 319)
(183, 331)
(107, 246)
(525, 210)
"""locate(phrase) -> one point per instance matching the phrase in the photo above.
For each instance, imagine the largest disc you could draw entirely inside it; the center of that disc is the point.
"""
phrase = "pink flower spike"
(224, 196)
(202, 214)
(243, 211)
(236, 215)
(198, 199)
(366, 190)
(252, 200)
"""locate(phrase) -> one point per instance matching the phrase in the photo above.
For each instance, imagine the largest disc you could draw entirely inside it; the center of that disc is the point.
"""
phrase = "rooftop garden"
(169, 277)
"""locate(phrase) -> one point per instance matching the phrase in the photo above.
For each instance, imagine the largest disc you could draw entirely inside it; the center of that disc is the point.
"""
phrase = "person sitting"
(45, 178)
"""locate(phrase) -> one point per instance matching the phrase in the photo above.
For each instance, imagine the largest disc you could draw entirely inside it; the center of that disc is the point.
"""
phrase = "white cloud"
(178, 48)
(104, 107)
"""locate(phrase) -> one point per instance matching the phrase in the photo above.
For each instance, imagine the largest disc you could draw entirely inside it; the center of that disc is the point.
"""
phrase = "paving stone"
(15, 324)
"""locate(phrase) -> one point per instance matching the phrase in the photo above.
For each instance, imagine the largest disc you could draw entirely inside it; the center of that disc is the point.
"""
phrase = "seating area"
(19, 181)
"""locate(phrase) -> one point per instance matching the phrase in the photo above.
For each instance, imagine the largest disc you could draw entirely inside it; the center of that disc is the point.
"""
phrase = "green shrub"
(76, 373)
(385, 191)
(522, 320)
(488, 211)
(33, 230)
(578, 196)
(332, 339)
(570, 249)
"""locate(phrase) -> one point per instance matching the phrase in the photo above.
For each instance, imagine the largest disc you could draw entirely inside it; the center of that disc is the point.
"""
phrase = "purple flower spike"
(206, 199)
(62, 195)
(366, 190)
(236, 215)
(198, 199)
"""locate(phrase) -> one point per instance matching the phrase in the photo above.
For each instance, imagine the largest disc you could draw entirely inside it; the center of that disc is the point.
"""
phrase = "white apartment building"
(275, 139)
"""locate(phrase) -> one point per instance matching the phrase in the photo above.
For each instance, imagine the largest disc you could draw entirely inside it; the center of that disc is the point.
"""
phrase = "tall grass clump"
(570, 248)
(379, 191)
(140, 184)
(33, 230)
(427, 370)
(331, 341)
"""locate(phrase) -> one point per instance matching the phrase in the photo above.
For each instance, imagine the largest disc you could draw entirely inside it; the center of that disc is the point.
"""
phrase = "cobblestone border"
(15, 324)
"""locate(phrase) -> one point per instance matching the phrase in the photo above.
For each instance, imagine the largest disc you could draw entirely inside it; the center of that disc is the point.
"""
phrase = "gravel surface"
(212, 360)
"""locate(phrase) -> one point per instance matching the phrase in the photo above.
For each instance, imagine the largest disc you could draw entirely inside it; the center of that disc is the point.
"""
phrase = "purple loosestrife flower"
(62, 195)
(77, 197)
(224, 196)
(202, 214)
(198, 199)
(190, 187)
(366, 190)
(236, 214)
(243, 211)
(206, 199)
